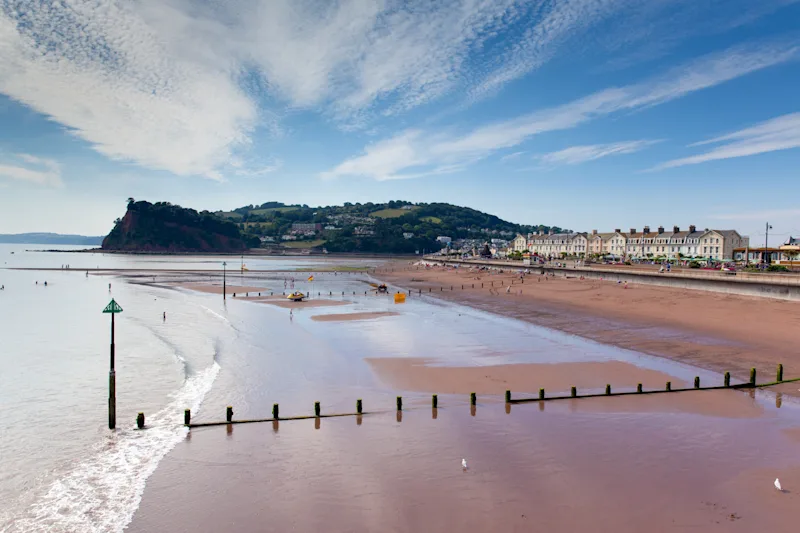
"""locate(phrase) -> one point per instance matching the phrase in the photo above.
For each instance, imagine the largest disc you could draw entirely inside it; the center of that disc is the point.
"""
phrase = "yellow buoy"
(399, 298)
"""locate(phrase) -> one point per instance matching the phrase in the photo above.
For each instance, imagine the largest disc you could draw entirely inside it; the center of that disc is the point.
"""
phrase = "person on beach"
(291, 314)
(165, 316)
(45, 284)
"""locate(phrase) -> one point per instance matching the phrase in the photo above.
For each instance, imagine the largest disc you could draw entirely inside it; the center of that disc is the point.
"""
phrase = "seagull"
(464, 464)
(777, 484)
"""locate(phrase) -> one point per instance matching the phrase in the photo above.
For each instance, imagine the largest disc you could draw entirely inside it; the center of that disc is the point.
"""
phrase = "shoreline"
(714, 331)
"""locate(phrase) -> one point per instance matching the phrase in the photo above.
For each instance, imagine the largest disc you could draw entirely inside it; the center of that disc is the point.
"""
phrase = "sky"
(584, 114)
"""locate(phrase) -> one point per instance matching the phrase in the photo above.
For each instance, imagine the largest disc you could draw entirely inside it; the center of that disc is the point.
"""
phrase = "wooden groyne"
(542, 396)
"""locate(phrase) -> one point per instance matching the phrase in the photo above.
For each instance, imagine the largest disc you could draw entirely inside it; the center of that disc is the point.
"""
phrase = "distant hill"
(49, 238)
(164, 227)
(392, 227)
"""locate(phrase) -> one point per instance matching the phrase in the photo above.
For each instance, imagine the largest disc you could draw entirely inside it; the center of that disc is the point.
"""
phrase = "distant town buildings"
(706, 244)
(301, 227)
(444, 240)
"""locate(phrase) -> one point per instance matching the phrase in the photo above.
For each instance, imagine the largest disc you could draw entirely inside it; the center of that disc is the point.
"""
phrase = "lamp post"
(112, 308)
(224, 296)
(766, 244)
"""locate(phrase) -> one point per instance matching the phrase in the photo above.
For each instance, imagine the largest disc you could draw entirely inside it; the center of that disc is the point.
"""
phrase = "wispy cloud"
(781, 133)
(422, 152)
(512, 156)
(184, 85)
(31, 169)
(581, 154)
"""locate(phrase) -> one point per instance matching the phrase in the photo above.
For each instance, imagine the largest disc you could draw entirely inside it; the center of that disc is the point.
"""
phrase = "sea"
(63, 470)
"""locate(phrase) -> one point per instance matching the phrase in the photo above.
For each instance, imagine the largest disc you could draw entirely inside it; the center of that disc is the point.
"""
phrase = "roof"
(679, 235)
(726, 232)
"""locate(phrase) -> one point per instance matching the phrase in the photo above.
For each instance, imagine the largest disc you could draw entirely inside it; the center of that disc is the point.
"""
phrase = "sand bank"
(288, 304)
(217, 289)
(345, 317)
(710, 330)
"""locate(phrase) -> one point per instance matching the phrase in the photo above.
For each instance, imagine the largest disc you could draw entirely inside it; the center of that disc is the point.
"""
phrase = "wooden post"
(140, 421)
(399, 403)
(752, 376)
(275, 411)
(508, 396)
(779, 377)
(574, 392)
(541, 394)
(229, 413)
(639, 388)
(316, 408)
(435, 401)
(697, 382)
(727, 379)
(473, 398)
(669, 386)
(608, 389)
(187, 417)
(358, 406)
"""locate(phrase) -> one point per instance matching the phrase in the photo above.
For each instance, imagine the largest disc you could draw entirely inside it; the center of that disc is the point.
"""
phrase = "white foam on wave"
(216, 314)
(102, 493)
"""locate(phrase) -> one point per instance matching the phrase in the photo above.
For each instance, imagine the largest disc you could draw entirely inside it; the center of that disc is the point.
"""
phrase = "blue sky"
(587, 114)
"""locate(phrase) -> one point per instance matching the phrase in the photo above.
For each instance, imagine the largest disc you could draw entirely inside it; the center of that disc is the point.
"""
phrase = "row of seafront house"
(705, 245)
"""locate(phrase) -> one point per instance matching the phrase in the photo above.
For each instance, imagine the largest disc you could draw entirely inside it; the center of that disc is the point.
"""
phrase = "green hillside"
(371, 227)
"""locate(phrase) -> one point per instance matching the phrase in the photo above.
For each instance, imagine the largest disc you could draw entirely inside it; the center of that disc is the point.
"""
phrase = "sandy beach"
(714, 331)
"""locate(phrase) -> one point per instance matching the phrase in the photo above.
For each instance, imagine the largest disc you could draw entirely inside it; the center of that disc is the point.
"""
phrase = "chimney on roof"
(594, 232)
(660, 229)
(646, 229)
(675, 229)
(633, 231)
(617, 231)
(692, 228)
(550, 232)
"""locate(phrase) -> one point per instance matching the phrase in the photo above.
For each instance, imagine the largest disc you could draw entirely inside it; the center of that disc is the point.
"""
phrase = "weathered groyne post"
(608, 389)
(574, 392)
(473, 398)
(140, 421)
(435, 401)
(779, 376)
(359, 406)
(399, 403)
(669, 386)
(316, 409)
(639, 388)
(229, 413)
(275, 411)
(727, 379)
(697, 382)
(541, 394)
(752, 376)
(508, 396)
(112, 308)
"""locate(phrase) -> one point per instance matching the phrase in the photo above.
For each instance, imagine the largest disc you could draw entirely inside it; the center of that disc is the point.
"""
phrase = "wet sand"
(288, 304)
(524, 380)
(346, 317)
(558, 470)
(710, 330)
(217, 289)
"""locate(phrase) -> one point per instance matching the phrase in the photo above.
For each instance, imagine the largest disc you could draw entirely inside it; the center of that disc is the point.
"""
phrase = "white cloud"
(183, 85)
(780, 133)
(512, 156)
(423, 153)
(37, 170)
(581, 154)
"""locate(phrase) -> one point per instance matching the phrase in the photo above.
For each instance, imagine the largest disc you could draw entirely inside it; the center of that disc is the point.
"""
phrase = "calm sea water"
(61, 469)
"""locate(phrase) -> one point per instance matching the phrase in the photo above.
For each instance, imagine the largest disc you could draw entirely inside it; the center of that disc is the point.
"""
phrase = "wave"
(102, 493)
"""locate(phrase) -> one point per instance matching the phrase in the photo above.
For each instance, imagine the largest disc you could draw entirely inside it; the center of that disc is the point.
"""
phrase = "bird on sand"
(778, 485)
(464, 464)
